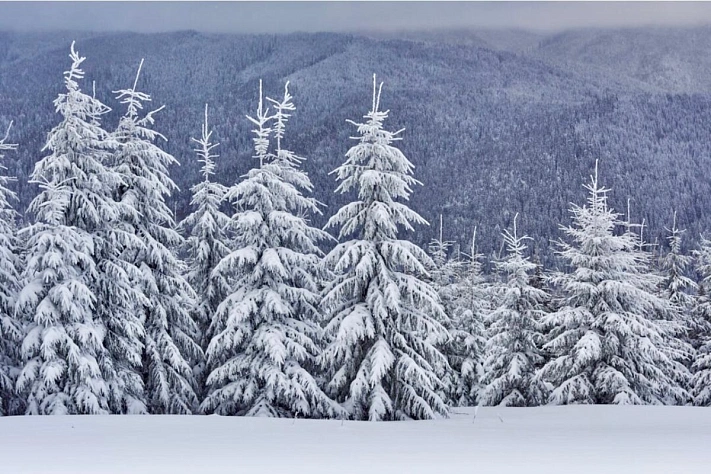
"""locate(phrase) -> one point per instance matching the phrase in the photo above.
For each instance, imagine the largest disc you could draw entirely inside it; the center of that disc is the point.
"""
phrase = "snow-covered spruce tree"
(266, 332)
(10, 330)
(445, 277)
(673, 320)
(439, 250)
(701, 328)
(676, 286)
(206, 244)
(445, 271)
(66, 366)
(701, 370)
(605, 341)
(382, 361)
(513, 355)
(472, 305)
(118, 300)
(169, 349)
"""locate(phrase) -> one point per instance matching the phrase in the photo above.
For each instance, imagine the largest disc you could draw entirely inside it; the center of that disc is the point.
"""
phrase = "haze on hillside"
(286, 17)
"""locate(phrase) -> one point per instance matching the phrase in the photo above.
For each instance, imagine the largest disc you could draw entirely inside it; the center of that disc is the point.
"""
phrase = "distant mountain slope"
(512, 40)
(492, 132)
(673, 59)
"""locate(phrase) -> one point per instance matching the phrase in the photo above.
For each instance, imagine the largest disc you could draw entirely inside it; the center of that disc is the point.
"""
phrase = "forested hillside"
(497, 123)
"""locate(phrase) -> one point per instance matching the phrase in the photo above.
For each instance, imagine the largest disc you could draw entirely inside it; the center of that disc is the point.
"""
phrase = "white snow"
(562, 439)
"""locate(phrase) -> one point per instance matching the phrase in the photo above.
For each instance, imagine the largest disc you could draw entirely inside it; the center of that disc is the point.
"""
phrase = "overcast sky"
(269, 17)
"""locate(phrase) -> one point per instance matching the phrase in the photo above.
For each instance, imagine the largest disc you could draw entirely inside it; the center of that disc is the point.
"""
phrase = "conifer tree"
(266, 332)
(472, 305)
(701, 378)
(513, 353)
(206, 244)
(676, 287)
(701, 329)
(445, 278)
(66, 366)
(10, 330)
(119, 301)
(606, 342)
(169, 349)
(439, 250)
(445, 271)
(382, 361)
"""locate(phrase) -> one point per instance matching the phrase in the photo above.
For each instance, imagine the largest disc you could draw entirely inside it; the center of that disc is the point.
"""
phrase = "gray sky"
(269, 17)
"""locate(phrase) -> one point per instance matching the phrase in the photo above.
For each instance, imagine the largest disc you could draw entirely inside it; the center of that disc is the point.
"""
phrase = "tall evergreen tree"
(66, 366)
(266, 332)
(445, 276)
(513, 353)
(382, 361)
(472, 305)
(206, 244)
(673, 320)
(169, 349)
(10, 330)
(439, 249)
(676, 287)
(701, 378)
(120, 300)
(701, 329)
(606, 343)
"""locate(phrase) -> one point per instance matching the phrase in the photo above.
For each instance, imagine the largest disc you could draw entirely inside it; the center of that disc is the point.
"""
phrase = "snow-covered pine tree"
(66, 366)
(605, 341)
(382, 361)
(439, 250)
(119, 298)
(472, 305)
(701, 370)
(10, 330)
(266, 332)
(445, 271)
(674, 320)
(206, 243)
(513, 355)
(445, 278)
(676, 286)
(169, 349)
(119, 302)
(701, 328)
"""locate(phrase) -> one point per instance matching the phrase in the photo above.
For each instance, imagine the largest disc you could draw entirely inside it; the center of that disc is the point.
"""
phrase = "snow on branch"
(134, 98)
(281, 117)
(7, 146)
(204, 152)
(75, 72)
(261, 142)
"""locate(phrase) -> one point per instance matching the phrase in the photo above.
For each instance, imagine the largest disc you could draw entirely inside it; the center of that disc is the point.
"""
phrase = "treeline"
(109, 305)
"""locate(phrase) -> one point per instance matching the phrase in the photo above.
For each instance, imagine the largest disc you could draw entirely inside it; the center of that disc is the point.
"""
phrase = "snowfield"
(568, 439)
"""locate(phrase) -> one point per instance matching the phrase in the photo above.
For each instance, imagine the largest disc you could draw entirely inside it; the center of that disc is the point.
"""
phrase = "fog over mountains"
(497, 122)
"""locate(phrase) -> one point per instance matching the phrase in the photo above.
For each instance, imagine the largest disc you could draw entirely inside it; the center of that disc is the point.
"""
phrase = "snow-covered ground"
(571, 440)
